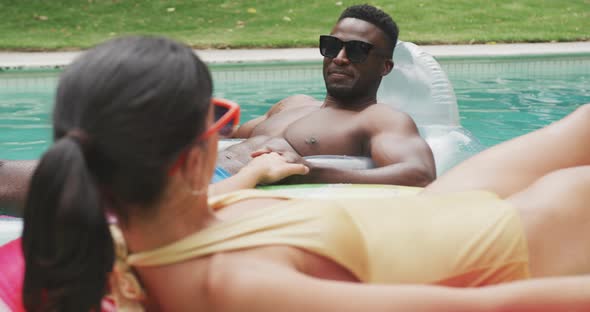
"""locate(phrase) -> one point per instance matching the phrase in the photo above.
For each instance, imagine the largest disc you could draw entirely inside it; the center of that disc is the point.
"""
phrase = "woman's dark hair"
(377, 17)
(123, 113)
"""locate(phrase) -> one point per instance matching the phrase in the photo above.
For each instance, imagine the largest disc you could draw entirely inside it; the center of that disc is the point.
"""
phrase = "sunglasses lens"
(330, 46)
(357, 51)
(227, 129)
(219, 112)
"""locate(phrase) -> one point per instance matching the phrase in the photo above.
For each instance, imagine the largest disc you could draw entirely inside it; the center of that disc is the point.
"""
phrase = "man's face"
(345, 79)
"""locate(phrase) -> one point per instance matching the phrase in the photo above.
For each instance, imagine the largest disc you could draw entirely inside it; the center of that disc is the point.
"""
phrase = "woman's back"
(189, 285)
(427, 240)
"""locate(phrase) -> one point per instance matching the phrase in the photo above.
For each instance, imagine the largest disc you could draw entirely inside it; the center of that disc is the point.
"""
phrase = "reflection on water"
(495, 112)
(501, 99)
(25, 101)
(498, 98)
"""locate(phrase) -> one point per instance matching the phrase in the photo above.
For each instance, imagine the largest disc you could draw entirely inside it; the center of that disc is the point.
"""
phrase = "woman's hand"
(266, 167)
(271, 167)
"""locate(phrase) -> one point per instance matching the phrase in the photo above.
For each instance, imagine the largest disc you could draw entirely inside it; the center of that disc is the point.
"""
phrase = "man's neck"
(350, 103)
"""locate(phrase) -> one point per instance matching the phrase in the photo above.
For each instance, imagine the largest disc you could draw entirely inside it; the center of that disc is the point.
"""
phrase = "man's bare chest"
(276, 124)
(326, 133)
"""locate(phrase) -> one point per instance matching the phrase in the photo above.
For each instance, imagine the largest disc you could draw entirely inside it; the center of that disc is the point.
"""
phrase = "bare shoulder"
(294, 101)
(386, 111)
(221, 282)
(385, 116)
(234, 279)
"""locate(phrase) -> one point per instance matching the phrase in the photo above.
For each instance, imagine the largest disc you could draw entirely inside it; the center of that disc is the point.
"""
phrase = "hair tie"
(79, 136)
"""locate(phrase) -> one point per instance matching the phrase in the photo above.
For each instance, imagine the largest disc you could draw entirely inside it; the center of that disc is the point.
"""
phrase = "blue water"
(501, 99)
(498, 98)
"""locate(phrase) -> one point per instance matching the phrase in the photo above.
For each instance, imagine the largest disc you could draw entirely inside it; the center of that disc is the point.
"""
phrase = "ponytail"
(67, 246)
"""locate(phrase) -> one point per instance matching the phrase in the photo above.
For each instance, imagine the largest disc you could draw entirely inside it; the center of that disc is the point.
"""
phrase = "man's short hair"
(373, 15)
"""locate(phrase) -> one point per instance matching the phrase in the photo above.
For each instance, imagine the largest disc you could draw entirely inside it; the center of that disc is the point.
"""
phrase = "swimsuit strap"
(125, 288)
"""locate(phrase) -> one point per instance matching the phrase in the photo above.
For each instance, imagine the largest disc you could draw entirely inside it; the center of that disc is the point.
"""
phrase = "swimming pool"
(499, 98)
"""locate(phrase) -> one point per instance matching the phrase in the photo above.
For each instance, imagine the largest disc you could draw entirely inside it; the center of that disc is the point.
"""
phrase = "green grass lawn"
(74, 24)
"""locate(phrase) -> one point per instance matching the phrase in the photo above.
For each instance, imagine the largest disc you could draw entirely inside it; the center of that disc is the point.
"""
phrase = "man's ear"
(387, 67)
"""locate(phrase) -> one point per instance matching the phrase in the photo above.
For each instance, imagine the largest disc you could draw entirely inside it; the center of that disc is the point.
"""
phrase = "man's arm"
(14, 183)
(400, 154)
(245, 130)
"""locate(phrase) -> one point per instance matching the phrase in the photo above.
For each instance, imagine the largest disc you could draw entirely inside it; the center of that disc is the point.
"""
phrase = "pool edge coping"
(54, 60)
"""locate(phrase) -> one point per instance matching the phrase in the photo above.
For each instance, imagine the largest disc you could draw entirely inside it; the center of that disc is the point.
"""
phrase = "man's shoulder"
(383, 115)
(386, 110)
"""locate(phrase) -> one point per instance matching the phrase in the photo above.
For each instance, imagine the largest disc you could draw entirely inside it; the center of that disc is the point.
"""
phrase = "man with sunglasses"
(357, 54)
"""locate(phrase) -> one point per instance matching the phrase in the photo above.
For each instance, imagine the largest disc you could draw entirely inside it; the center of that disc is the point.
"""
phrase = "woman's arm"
(262, 169)
(540, 295)
(269, 289)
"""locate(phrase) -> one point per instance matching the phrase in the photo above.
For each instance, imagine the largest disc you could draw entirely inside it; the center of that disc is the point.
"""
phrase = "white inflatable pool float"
(419, 86)
(10, 228)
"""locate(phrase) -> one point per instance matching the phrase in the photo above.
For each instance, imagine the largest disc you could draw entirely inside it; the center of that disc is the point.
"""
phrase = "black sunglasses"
(356, 51)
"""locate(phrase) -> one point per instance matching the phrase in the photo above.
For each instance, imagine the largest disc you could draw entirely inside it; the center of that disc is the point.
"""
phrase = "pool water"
(499, 98)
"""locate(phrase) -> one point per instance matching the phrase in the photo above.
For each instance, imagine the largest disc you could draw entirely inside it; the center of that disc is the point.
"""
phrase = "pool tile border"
(19, 61)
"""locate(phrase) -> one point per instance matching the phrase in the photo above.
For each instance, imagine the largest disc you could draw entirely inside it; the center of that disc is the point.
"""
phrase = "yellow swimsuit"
(462, 239)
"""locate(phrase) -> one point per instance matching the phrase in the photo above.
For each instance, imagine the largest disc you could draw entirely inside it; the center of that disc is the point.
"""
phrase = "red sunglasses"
(226, 116)
(227, 119)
